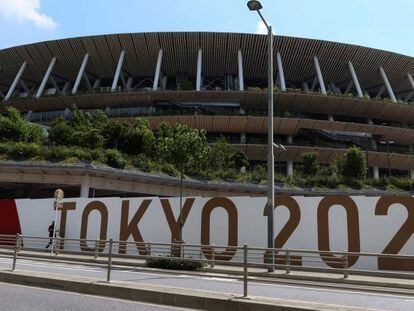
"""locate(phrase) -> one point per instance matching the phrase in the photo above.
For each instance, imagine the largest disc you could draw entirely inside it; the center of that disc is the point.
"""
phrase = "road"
(365, 300)
(24, 298)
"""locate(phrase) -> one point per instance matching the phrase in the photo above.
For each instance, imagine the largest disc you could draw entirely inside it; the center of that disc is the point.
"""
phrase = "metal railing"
(249, 260)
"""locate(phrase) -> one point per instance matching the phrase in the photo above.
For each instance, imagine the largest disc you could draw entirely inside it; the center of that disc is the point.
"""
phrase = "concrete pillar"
(331, 118)
(388, 85)
(118, 71)
(16, 81)
(29, 115)
(67, 114)
(320, 76)
(356, 81)
(199, 68)
(289, 169)
(85, 184)
(375, 171)
(158, 70)
(289, 139)
(46, 78)
(80, 73)
(369, 121)
(412, 174)
(240, 68)
(243, 138)
(281, 73)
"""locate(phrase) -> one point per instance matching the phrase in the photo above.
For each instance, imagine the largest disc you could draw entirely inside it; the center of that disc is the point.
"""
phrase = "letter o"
(231, 209)
(352, 217)
(101, 208)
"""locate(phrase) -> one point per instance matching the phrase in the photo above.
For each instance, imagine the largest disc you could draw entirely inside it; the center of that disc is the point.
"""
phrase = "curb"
(170, 296)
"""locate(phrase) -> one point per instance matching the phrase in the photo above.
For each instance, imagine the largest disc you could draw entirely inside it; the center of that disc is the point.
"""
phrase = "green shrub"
(114, 159)
(145, 164)
(186, 86)
(353, 164)
(22, 150)
(310, 163)
(170, 170)
(175, 264)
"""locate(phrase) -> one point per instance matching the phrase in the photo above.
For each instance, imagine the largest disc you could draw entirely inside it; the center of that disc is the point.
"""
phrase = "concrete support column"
(243, 138)
(118, 71)
(289, 171)
(29, 115)
(46, 78)
(411, 81)
(157, 70)
(199, 68)
(289, 139)
(320, 76)
(240, 68)
(412, 174)
(331, 118)
(388, 85)
(67, 114)
(80, 73)
(85, 184)
(369, 121)
(356, 81)
(375, 171)
(281, 73)
(15, 82)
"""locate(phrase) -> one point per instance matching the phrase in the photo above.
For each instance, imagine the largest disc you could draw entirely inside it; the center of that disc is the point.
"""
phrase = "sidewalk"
(227, 271)
(163, 295)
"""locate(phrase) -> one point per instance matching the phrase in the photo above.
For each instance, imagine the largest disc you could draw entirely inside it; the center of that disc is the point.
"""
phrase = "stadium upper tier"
(328, 95)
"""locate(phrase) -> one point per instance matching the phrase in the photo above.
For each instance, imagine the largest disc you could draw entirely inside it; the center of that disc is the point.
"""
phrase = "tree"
(353, 164)
(225, 156)
(310, 163)
(13, 127)
(61, 132)
(187, 149)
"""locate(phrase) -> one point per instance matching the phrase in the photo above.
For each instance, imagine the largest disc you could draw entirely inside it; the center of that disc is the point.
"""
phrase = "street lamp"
(388, 143)
(257, 6)
(59, 195)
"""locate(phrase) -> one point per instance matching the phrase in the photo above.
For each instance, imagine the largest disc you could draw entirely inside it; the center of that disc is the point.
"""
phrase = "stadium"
(328, 96)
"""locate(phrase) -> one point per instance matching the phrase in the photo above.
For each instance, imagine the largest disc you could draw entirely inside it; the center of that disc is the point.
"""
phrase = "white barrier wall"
(337, 223)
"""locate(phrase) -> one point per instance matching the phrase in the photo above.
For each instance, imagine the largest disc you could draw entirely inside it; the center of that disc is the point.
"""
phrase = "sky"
(381, 24)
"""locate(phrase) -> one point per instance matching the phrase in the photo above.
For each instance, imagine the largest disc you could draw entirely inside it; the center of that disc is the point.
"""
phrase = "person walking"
(51, 230)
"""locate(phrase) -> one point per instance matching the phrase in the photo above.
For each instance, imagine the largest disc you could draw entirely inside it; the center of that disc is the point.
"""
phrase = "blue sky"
(381, 24)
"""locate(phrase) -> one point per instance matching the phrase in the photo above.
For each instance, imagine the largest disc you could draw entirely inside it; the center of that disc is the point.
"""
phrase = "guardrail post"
(16, 247)
(149, 248)
(19, 245)
(57, 246)
(108, 274)
(96, 253)
(213, 257)
(345, 264)
(245, 271)
(287, 260)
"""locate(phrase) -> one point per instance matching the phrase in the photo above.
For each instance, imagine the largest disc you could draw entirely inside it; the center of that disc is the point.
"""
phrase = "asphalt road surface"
(24, 298)
(361, 299)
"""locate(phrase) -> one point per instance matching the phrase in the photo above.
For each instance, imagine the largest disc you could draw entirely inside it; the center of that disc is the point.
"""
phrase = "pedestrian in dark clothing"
(51, 230)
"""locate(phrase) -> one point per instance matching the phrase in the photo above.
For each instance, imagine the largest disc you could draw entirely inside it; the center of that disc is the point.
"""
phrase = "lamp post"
(59, 195)
(388, 143)
(254, 5)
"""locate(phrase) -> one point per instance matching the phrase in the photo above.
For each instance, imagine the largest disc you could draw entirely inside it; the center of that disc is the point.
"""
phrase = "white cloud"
(261, 28)
(26, 10)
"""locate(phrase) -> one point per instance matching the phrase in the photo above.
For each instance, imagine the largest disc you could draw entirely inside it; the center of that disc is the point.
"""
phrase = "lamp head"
(254, 5)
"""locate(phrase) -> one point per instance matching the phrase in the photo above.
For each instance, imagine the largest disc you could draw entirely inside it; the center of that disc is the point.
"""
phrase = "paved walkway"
(259, 274)
(311, 293)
